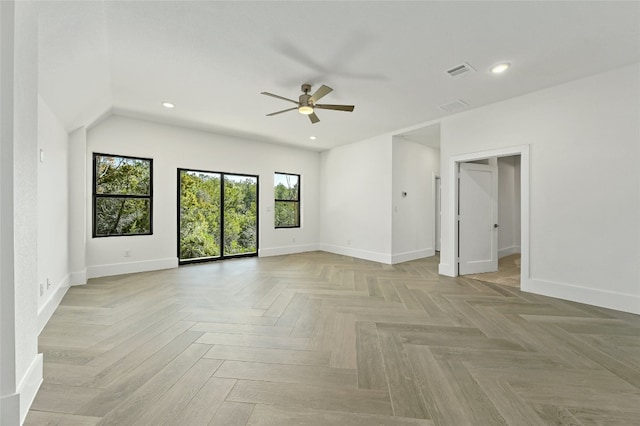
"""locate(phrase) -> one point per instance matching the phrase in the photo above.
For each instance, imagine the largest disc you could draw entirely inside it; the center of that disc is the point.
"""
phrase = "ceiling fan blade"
(314, 118)
(348, 108)
(280, 112)
(322, 91)
(279, 97)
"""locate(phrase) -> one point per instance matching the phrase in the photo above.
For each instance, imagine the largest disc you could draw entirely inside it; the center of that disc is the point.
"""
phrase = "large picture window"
(287, 200)
(122, 195)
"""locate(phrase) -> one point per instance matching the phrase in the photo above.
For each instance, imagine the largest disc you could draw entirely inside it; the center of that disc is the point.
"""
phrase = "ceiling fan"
(307, 103)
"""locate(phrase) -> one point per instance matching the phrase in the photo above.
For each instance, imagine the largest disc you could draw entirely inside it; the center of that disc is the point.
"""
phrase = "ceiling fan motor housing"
(305, 100)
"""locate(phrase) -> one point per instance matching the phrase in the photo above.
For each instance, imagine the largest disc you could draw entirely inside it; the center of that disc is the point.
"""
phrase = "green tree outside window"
(287, 200)
(122, 195)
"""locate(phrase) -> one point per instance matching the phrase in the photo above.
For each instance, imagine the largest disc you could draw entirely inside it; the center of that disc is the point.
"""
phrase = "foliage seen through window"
(287, 200)
(202, 213)
(122, 195)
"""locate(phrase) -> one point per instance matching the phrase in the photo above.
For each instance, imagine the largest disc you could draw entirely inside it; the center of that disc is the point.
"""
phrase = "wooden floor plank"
(135, 405)
(63, 398)
(205, 404)
(370, 366)
(116, 392)
(247, 329)
(405, 395)
(232, 414)
(169, 341)
(311, 396)
(269, 355)
(438, 391)
(166, 408)
(311, 374)
(48, 418)
(276, 415)
(254, 341)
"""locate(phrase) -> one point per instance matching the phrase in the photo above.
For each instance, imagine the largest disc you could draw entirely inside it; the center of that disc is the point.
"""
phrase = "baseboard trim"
(447, 270)
(412, 255)
(360, 254)
(78, 278)
(29, 385)
(44, 314)
(97, 271)
(590, 296)
(508, 251)
(279, 251)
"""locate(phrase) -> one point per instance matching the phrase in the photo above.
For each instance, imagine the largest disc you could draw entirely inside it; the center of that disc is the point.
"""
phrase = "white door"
(478, 221)
(438, 213)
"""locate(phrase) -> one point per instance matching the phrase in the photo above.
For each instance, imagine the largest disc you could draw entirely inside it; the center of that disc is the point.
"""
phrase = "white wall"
(9, 399)
(20, 363)
(584, 138)
(355, 199)
(174, 147)
(25, 187)
(413, 221)
(508, 205)
(77, 221)
(53, 211)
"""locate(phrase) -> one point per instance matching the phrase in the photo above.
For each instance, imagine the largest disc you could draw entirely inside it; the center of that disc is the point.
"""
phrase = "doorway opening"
(508, 232)
(217, 215)
(520, 244)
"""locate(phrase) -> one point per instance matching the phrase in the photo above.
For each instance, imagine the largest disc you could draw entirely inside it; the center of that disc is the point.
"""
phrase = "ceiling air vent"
(454, 106)
(460, 70)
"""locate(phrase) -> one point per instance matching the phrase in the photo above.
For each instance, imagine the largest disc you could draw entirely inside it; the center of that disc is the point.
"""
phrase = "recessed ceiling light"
(313, 138)
(168, 104)
(500, 68)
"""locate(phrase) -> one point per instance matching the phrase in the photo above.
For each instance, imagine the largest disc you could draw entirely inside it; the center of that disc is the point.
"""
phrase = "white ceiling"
(212, 59)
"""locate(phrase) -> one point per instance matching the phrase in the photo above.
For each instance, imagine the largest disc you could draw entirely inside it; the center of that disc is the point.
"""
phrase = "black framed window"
(122, 195)
(287, 200)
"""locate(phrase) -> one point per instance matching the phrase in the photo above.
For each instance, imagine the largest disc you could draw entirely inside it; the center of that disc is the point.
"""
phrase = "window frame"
(96, 196)
(297, 200)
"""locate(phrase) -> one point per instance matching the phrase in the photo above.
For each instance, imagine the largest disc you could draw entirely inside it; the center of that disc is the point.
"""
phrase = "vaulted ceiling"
(212, 59)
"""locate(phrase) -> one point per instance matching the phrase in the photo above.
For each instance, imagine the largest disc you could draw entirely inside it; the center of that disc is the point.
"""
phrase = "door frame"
(222, 255)
(452, 191)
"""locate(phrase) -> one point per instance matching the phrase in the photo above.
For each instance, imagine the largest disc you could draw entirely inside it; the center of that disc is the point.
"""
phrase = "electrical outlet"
(48, 283)
(348, 242)
(41, 290)
(127, 253)
(293, 240)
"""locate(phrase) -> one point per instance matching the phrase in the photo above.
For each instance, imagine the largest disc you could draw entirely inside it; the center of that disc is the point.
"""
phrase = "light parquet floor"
(508, 272)
(323, 339)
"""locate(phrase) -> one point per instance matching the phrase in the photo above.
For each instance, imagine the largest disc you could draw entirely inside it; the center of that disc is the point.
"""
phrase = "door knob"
(495, 225)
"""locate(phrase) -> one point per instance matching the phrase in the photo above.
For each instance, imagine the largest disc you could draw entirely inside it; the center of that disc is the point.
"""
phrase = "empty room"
(319, 213)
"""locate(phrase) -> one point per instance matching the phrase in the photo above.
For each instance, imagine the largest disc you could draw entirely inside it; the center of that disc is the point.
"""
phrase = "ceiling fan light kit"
(306, 103)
